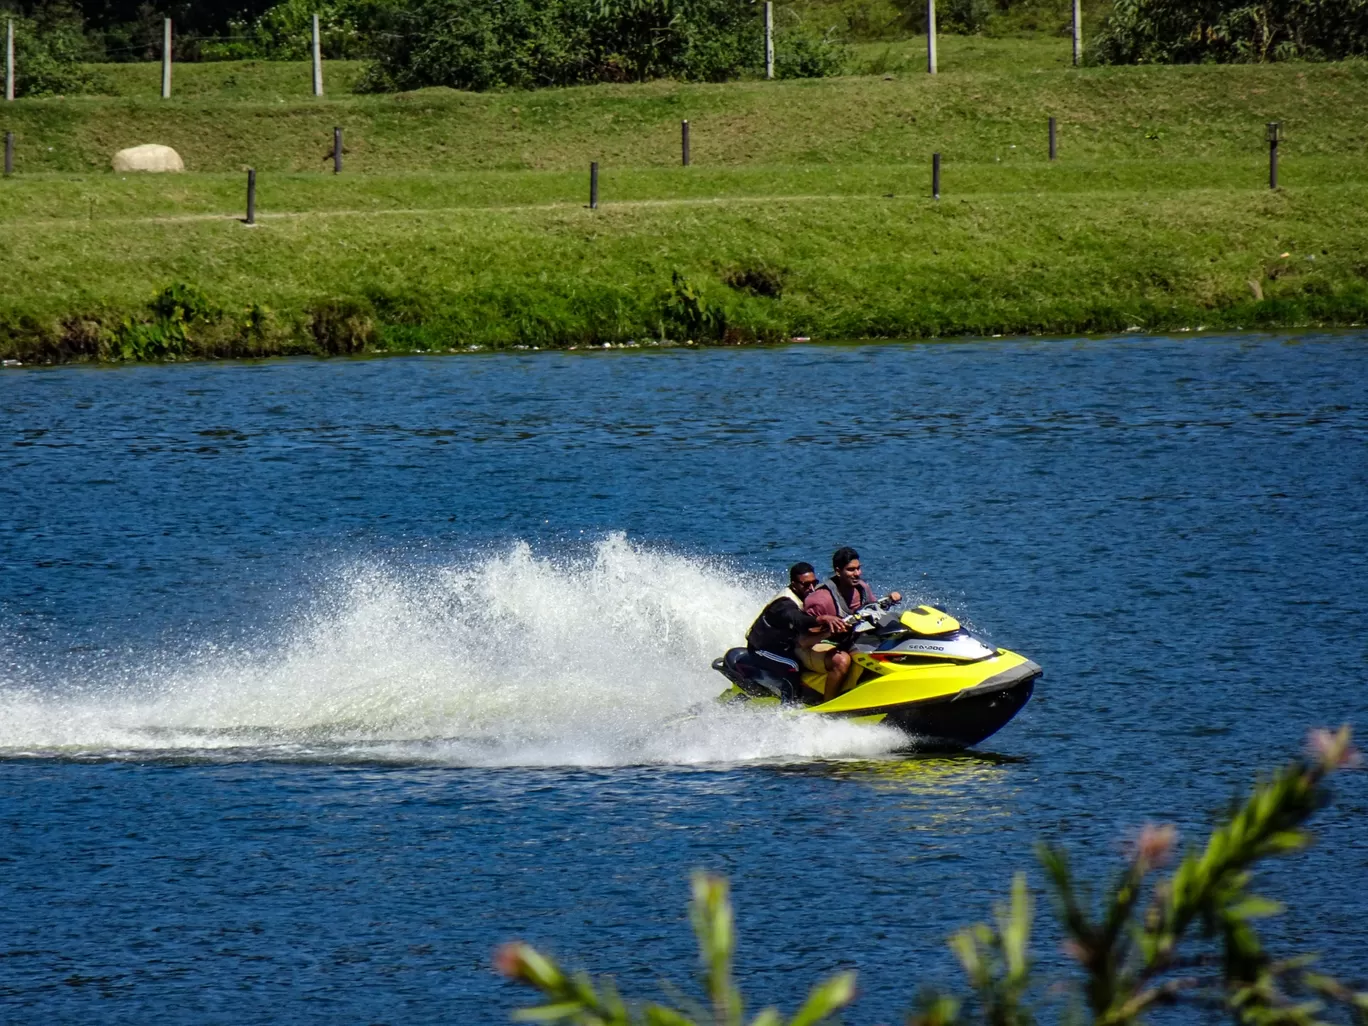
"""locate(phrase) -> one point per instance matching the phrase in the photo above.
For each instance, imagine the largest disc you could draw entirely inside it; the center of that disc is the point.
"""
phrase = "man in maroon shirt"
(840, 595)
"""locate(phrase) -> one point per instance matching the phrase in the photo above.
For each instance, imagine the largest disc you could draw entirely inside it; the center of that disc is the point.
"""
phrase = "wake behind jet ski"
(919, 671)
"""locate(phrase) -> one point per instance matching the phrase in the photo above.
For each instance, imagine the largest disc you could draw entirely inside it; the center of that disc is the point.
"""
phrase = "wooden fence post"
(684, 140)
(1054, 150)
(935, 176)
(251, 196)
(593, 185)
(769, 39)
(166, 59)
(1274, 133)
(9, 61)
(317, 59)
(930, 37)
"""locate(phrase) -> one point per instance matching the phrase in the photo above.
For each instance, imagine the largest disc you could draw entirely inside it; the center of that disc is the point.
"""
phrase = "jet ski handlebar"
(868, 614)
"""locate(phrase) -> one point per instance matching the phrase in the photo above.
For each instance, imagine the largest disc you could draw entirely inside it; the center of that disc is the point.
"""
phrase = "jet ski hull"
(961, 722)
(939, 707)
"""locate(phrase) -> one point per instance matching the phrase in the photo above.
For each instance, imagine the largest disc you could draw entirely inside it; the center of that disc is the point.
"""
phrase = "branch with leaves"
(1136, 950)
(578, 1000)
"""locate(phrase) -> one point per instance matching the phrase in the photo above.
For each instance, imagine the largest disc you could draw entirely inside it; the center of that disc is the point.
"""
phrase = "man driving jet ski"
(775, 633)
(839, 596)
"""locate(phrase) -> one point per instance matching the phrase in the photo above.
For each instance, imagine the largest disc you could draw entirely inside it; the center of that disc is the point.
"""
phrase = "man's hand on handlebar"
(833, 623)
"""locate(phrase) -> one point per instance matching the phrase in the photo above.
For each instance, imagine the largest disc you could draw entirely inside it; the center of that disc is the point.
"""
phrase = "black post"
(1054, 149)
(935, 176)
(684, 139)
(593, 185)
(1273, 162)
(9, 154)
(251, 196)
(337, 151)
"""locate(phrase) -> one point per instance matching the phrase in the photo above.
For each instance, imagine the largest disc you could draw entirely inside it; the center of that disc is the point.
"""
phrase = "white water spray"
(504, 659)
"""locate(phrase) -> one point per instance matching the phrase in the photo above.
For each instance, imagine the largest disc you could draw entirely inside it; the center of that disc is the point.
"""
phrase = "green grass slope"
(460, 219)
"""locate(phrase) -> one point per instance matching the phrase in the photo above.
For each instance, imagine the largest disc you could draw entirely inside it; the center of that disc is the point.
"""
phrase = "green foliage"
(806, 55)
(758, 278)
(967, 16)
(526, 44)
(579, 1000)
(1181, 31)
(49, 49)
(1131, 960)
(173, 310)
(691, 313)
(342, 326)
(285, 32)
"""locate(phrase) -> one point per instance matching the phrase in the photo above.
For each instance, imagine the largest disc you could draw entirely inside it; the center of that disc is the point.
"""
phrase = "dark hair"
(842, 556)
(798, 569)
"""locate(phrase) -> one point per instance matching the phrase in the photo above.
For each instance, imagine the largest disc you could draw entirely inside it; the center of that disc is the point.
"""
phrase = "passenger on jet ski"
(776, 630)
(838, 597)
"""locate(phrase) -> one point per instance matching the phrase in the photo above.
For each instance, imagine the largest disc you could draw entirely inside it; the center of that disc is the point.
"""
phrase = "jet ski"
(919, 671)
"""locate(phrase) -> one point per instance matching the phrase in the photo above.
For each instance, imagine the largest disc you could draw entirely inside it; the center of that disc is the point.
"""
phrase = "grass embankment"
(460, 218)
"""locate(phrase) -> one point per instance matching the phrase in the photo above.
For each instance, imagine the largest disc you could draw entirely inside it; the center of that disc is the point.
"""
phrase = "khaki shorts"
(811, 659)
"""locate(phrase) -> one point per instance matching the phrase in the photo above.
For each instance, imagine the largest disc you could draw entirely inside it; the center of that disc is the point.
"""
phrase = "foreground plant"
(580, 1000)
(1129, 951)
(1131, 959)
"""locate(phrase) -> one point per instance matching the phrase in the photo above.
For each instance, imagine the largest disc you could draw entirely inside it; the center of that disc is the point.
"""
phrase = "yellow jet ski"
(918, 671)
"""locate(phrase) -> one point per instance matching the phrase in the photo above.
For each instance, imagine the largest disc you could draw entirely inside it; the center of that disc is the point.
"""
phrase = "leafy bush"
(759, 279)
(802, 55)
(48, 53)
(173, 309)
(342, 326)
(690, 312)
(1183, 31)
(1134, 954)
(965, 16)
(524, 44)
(285, 33)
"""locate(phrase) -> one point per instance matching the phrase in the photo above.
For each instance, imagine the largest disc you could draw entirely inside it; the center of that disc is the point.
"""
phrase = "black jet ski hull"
(963, 722)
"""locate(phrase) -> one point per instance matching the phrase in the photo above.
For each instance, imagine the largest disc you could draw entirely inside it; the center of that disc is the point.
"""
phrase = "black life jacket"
(771, 637)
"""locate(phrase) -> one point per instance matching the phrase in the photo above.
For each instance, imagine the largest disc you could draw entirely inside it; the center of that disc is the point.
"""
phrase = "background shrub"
(1184, 31)
(524, 44)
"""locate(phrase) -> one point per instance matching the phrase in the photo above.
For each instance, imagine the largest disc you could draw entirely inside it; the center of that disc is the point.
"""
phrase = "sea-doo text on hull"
(920, 672)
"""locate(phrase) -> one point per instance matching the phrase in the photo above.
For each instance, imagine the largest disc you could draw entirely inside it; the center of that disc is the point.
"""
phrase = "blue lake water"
(320, 679)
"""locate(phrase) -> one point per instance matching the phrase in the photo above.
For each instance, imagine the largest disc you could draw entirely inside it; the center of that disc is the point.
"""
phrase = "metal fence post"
(166, 59)
(317, 60)
(935, 176)
(1077, 32)
(684, 140)
(9, 61)
(1054, 149)
(769, 39)
(251, 195)
(593, 185)
(337, 150)
(930, 37)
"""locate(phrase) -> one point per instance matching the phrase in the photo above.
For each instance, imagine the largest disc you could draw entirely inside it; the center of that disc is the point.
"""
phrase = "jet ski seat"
(761, 674)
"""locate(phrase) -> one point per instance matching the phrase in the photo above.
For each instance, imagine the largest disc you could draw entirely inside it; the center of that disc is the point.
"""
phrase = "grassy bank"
(461, 218)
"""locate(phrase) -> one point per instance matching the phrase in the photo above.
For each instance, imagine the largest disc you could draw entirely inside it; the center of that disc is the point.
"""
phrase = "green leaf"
(827, 997)
(548, 1013)
(768, 1017)
(1255, 907)
(1287, 840)
(659, 1015)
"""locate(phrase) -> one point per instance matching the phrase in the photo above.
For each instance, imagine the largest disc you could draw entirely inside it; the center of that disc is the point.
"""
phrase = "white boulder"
(149, 157)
